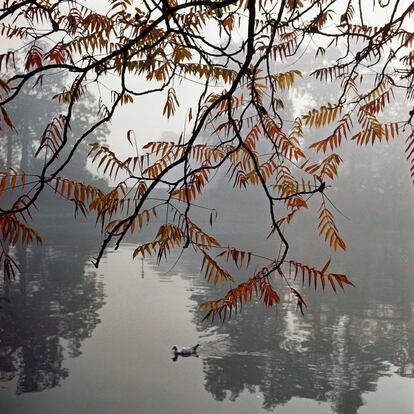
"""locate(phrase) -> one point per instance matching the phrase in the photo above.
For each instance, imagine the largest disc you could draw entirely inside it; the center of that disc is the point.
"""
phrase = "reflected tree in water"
(54, 308)
(335, 354)
(330, 363)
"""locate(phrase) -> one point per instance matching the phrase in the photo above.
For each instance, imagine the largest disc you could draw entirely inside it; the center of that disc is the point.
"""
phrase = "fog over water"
(99, 340)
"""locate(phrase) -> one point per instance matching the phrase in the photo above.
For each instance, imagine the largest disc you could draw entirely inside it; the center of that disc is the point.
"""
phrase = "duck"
(184, 351)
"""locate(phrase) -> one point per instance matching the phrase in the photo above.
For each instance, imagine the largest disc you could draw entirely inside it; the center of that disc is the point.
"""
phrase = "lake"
(75, 339)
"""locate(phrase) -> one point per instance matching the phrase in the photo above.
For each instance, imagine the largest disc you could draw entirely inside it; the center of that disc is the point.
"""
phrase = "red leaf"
(326, 266)
(7, 119)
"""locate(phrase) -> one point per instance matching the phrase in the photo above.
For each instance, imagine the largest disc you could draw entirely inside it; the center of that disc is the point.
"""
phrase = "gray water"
(75, 339)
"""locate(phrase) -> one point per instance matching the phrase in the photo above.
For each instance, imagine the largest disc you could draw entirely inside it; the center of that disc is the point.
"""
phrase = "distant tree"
(246, 54)
(33, 108)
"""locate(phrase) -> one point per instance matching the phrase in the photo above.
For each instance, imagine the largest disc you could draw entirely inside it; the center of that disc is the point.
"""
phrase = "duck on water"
(184, 351)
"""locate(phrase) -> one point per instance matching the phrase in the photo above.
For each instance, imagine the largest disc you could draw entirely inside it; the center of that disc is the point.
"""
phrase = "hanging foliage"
(152, 49)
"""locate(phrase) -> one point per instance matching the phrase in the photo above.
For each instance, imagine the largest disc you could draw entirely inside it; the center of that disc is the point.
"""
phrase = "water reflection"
(328, 364)
(54, 308)
(335, 354)
(342, 348)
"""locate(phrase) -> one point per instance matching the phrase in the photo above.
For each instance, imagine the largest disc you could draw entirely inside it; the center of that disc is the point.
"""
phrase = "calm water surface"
(79, 340)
